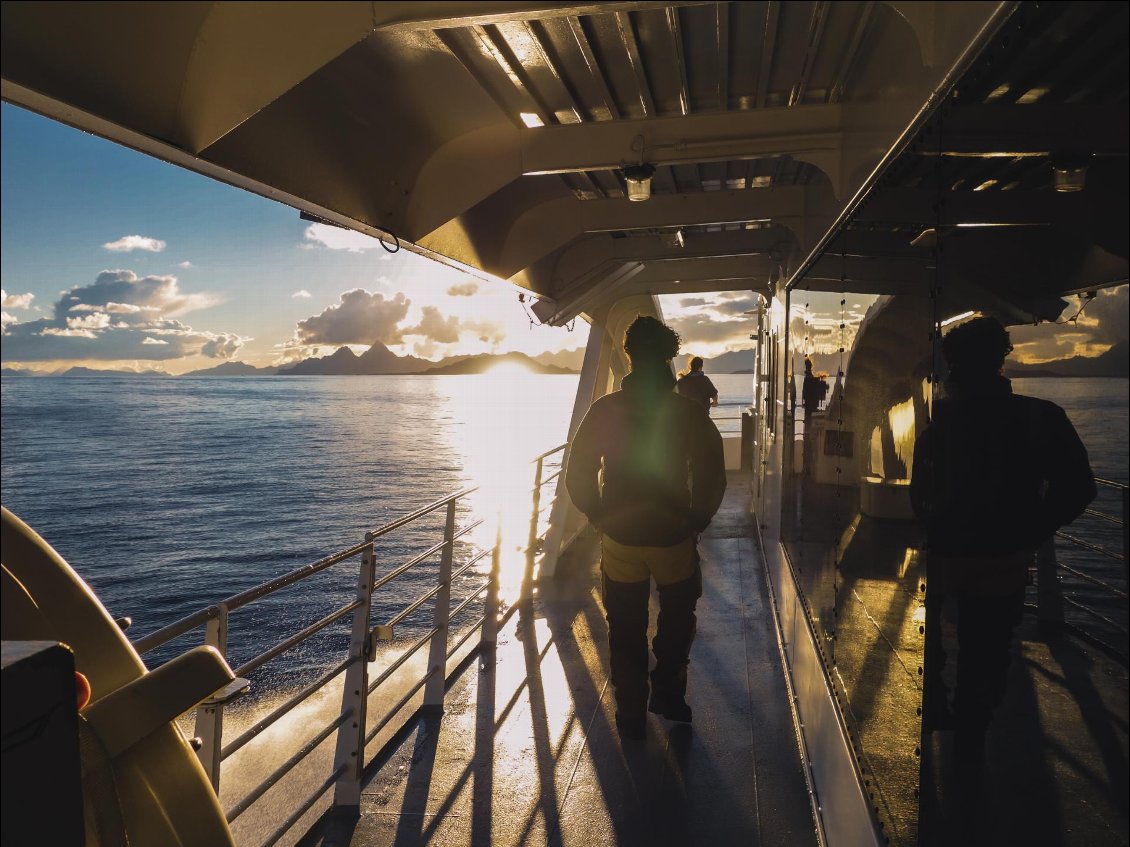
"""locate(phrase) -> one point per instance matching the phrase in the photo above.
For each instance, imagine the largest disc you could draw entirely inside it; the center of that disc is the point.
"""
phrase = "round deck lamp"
(1069, 172)
(638, 179)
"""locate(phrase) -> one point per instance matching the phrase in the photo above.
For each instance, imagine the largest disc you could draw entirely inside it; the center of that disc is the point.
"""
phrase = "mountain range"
(1114, 362)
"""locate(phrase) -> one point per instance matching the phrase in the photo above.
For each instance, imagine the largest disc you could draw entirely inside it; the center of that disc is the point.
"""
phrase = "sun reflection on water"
(492, 412)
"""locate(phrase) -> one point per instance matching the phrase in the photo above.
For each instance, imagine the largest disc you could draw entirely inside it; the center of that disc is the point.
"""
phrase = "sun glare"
(505, 369)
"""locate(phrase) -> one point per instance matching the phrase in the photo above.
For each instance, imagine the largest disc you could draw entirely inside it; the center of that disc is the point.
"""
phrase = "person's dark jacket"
(697, 386)
(997, 473)
(663, 468)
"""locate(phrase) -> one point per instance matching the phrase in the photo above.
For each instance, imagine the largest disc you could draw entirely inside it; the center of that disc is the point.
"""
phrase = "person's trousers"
(626, 574)
(985, 625)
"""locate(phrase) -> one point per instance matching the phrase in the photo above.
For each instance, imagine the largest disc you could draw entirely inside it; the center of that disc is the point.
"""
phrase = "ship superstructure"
(898, 166)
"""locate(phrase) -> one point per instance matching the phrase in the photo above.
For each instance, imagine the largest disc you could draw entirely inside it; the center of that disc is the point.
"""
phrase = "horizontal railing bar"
(551, 477)
(466, 635)
(287, 766)
(1095, 513)
(176, 629)
(297, 638)
(467, 601)
(1093, 613)
(253, 731)
(1110, 483)
(260, 591)
(400, 704)
(431, 592)
(1094, 548)
(304, 808)
(550, 452)
(423, 510)
(1094, 580)
(401, 659)
(415, 560)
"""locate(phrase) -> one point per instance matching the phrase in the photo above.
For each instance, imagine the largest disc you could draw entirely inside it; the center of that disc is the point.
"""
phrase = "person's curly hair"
(978, 346)
(649, 339)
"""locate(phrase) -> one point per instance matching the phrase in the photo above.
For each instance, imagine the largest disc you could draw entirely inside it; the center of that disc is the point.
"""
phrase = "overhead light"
(1069, 172)
(674, 239)
(638, 178)
(956, 318)
(531, 120)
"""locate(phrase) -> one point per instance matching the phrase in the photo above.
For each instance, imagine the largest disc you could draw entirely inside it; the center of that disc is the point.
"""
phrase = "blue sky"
(110, 258)
(237, 262)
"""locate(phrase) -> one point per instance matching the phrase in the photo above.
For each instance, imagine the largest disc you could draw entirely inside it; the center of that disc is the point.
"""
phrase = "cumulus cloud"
(336, 238)
(119, 316)
(16, 301)
(463, 289)
(301, 294)
(129, 243)
(185, 264)
(1104, 321)
(701, 328)
(362, 317)
(435, 327)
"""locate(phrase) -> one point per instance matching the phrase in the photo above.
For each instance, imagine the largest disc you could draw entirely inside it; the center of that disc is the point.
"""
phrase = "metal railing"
(1051, 598)
(350, 723)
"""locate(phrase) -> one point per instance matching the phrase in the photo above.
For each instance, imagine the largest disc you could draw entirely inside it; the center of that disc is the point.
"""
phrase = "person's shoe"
(631, 727)
(671, 706)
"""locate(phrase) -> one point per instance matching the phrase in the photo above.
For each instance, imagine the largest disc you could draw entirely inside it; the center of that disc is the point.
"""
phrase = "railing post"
(437, 655)
(350, 751)
(1125, 521)
(489, 634)
(531, 542)
(210, 717)
(1049, 594)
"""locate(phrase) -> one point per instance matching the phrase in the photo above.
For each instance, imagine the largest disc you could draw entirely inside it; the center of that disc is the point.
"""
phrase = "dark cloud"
(119, 316)
(361, 317)
(463, 289)
(703, 329)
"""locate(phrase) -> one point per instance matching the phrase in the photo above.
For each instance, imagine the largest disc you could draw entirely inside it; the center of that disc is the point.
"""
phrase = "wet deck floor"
(527, 753)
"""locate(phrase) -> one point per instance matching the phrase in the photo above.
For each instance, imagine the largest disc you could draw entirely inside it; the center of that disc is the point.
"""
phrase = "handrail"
(423, 510)
(1110, 483)
(350, 721)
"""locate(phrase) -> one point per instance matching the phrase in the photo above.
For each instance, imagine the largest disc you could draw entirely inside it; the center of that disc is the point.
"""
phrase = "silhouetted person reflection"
(697, 385)
(646, 468)
(995, 475)
(812, 392)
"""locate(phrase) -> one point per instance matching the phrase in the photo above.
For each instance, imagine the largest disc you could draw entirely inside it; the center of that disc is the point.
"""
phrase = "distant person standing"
(812, 391)
(995, 475)
(697, 385)
(646, 468)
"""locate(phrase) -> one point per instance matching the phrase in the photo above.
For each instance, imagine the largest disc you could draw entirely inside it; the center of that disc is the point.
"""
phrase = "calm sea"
(171, 494)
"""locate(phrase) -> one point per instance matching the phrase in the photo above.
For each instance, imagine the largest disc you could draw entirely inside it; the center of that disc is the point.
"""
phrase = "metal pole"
(489, 635)
(210, 718)
(1125, 519)
(437, 655)
(350, 753)
(1049, 594)
(531, 542)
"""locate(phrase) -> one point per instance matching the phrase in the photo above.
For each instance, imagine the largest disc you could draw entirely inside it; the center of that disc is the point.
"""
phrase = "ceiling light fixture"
(1069, 172)
(638, 178)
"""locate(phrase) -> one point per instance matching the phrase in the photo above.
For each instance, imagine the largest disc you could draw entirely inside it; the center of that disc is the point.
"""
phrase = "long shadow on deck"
(526, 752)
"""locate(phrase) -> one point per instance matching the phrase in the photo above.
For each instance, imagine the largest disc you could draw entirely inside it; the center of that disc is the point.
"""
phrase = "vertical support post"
(531, 542)
(350, 751)
(1049, 595)
(210, 716)
(437, 654)
(595, 364)
(1125, 521)
(489, 634)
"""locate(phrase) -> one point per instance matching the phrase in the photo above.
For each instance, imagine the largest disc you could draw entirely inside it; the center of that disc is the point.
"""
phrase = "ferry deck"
(852, 178)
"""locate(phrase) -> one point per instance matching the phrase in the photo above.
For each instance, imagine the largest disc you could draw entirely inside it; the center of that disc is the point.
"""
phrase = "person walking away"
(995, 475)
(646, 467)
(697, 385)
(812, 392)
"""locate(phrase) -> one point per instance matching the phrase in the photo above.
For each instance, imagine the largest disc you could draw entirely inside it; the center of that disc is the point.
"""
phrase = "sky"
(113, 259)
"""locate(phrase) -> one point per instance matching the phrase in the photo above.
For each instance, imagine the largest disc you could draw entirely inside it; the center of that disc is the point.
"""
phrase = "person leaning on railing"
(647, 469)
(995, 475)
